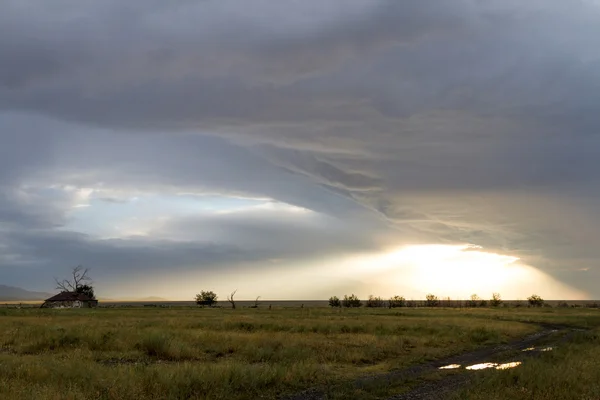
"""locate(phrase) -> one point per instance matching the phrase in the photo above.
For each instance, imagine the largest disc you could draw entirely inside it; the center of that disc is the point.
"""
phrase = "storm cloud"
(339, 127)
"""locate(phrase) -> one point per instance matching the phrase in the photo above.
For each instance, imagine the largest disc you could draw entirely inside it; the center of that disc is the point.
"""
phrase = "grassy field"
(203, 353)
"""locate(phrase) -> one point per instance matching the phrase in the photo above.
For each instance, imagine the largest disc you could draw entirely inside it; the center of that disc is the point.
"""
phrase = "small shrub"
(432, 300)
(396, 301)
(335, 301)
(535, 301)
(206, 298)
(474, 302)
(563, 304)
(351, 301)
(496, 300)
(375, 301)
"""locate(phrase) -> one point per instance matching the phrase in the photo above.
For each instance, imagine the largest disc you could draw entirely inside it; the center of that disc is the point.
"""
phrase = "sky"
(302, 149)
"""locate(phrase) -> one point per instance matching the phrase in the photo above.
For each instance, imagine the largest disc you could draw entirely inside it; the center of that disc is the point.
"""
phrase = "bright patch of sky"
(118, 218)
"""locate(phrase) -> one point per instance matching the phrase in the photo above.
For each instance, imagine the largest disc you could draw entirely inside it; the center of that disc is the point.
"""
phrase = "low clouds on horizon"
(341, 126)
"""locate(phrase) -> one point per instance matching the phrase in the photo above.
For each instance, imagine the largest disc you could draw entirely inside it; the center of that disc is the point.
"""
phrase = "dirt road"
(550, 335)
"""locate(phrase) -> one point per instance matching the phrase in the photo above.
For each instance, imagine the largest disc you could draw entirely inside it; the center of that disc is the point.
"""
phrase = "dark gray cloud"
(38, 256)
(433, 122)
(227, 242)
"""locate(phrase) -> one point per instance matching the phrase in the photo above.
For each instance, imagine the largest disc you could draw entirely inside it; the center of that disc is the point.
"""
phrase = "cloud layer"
(388, 123)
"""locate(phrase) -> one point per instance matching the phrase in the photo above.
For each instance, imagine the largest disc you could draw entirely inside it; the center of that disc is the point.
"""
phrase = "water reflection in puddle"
(482, 366)
(451, 366)
(534, 349)
(494, 365)
(509, 365)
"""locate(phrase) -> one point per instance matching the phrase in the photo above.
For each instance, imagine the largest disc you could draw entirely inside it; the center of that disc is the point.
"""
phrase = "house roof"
(70, 296)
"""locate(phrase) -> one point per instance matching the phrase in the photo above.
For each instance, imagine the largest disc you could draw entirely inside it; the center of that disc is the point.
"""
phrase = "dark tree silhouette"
(334, 301)
(396, 301)
(432, 300)
(351, 301)
(206, 298)
(535, 300)
(88, 290)
(374, 301)
(79, 282)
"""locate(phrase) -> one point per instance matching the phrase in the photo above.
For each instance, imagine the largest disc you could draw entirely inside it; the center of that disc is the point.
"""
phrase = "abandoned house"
(70, 300)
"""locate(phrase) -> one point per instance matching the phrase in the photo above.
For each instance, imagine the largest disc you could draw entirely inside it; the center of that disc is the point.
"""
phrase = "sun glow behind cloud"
(454, 271)
(457, 271)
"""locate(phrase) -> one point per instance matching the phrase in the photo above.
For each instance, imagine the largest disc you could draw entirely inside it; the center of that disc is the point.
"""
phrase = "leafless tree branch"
(230, 299)
(79, 277)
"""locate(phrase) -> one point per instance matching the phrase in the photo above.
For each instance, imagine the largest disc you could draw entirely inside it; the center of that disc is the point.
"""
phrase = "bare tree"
(256, 303)
(79, 279)
(230, 298)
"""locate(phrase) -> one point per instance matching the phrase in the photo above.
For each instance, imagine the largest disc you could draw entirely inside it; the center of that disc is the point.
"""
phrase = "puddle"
(534, 349)
(494, 365)
(451, 366)
(509, 365)
(482, 366)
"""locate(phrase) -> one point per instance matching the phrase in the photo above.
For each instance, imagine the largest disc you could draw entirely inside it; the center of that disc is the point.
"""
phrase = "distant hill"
(11, 293)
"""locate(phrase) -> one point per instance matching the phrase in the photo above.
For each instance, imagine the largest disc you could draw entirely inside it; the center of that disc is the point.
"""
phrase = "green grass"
(188, 353)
